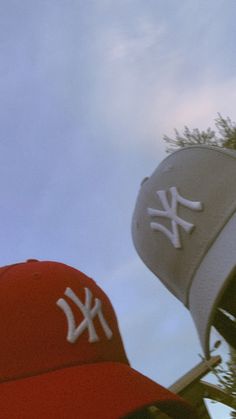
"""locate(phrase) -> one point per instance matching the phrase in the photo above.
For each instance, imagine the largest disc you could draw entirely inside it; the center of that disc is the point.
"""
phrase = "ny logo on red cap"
(171, 213)
(89, 314)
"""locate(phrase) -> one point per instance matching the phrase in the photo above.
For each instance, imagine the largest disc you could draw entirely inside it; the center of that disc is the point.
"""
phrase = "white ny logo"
(89, 314)
(170, 211)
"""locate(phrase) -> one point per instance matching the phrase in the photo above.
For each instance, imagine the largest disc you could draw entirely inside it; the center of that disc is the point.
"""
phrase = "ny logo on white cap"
(88, 312)
(170, 211)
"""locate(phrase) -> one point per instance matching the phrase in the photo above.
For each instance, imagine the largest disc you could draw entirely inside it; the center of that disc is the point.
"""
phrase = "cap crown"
(180, 210)
(53, 316)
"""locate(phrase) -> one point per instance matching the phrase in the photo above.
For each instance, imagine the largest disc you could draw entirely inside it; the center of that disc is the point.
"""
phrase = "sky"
(88, 90)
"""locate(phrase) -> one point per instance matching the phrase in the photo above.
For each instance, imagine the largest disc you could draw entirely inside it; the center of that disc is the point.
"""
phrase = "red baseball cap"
(61, 353)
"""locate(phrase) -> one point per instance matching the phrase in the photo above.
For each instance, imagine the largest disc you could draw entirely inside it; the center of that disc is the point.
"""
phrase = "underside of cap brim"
(211, 280)
(102, 391)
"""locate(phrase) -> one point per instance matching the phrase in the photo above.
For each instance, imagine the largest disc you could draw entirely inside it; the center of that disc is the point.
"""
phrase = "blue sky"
(88, 89)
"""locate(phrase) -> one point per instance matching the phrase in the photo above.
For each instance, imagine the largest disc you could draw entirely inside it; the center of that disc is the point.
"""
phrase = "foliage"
(226, 376)
(224, 136)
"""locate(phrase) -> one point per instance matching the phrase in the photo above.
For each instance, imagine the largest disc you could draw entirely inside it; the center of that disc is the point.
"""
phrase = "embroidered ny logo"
(89, 314)
(170, 211)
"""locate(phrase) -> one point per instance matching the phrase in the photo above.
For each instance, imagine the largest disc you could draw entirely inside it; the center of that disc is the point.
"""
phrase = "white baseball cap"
(184, 228)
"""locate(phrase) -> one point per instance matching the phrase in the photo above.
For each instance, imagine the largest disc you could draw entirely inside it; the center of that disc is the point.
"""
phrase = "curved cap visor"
(210, 281)
(101, 391)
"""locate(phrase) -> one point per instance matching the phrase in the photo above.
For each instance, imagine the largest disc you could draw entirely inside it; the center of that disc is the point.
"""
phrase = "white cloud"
(132, 46)
(145, 88)
(198, 106)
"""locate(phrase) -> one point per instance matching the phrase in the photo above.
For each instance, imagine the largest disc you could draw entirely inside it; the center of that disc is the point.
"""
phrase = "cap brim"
(102, 391)
(211, 280)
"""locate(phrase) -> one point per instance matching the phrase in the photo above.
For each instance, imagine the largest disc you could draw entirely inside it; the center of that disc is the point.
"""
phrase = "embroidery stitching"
(170, 211)
(89, 314)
